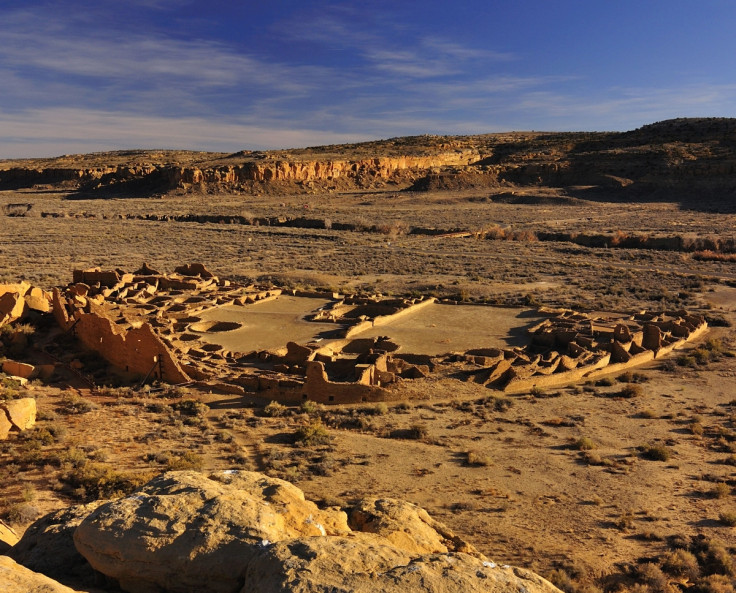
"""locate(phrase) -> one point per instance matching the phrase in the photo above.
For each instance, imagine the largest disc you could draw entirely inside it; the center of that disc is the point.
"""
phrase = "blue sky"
(84, 75)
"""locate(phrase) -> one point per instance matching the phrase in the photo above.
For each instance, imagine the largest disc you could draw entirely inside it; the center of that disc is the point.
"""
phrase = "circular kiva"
(214, 326)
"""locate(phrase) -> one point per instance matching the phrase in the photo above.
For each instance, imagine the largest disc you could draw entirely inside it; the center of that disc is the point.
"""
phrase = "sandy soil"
(268, 325)
(439, 329)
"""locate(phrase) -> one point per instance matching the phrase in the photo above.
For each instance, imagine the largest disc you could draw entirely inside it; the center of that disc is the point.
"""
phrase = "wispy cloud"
(75, 76)
(50, 132)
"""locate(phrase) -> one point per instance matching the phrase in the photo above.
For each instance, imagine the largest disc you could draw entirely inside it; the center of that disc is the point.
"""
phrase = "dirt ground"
(545, 480)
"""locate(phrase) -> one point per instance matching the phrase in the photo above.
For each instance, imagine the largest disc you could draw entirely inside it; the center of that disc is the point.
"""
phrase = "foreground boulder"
(358, 565)
(15, 578)
(20, 412)
(47, 546)
(8, 537)
(406, 526)
(186, 532)
(244, 532)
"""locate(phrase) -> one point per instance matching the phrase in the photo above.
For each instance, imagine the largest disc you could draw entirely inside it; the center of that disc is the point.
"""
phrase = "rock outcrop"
(8, 537)
(406, 526)
(244, 532)
(17, 299)
(17, 414)
(15, 578)
(187, 532)
(47, 546)
(691, 158)
(359, 565)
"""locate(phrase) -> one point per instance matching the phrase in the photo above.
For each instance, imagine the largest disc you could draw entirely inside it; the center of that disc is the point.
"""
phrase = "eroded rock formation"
(234, 531)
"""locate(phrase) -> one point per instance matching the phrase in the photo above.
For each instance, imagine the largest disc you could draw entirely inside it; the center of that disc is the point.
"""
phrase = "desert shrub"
(652, 575)
(656, 452)
(71, 403)
(624, 521)
(629, 377)
(630, 390)
(96, 480)
(584, 444)
(186, 460)
(190, 407)
(309, 407)
(22, 512)
(681, 563)
(714, 557)
(17, 210)
(714, 583)
(605, 382)
(497, 404)
(275, 410)
(417, 432)
(686, 360)
(477, 458)
(728, 518)
(380, 409)
(314, 433)
(720, 490)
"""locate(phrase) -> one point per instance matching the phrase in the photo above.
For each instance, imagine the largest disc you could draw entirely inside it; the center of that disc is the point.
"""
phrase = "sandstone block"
(47, 545)
(15, 578)
(18, 369)
(402, 524)
(21, 412)
(5, 425)
(12, 306)
(187, 532)
(361, 565)
(38, 300)
(8, 537)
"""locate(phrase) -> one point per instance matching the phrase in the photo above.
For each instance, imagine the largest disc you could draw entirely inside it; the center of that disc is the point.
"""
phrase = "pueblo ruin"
(152, 326)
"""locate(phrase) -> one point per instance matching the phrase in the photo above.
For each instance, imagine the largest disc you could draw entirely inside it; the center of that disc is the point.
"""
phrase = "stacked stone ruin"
(148, 324)
(571, 346)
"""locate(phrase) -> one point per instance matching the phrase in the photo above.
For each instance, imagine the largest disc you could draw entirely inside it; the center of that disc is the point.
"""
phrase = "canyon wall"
(167, 177)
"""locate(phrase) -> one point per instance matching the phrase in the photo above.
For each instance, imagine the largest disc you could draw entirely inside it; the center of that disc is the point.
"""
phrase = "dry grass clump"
(274, 409)
(71, 403)
(655, 452)
(93, 481)
(476, 458)
(631, 390)
(313, 433)
(720, 490)
(584, 444)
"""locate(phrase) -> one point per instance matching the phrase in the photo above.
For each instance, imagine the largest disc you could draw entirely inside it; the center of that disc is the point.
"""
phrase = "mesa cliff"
(673, 159)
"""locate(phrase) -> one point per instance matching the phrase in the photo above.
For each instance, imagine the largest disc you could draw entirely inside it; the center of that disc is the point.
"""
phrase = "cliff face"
(308, 171)
(675, 156)
(168, 177)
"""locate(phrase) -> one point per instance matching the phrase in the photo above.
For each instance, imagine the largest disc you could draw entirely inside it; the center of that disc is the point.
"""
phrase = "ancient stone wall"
(138, 350)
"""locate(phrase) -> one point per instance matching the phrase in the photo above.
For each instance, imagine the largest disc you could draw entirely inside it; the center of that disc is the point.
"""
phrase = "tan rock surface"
(12, 306)
(360, 565)
(21, 412)
(15, 578)
(404, 525)
(8, 537)
(5, 425)
(184, 531)
(47, 546)
(38, 300)
(18, 369)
